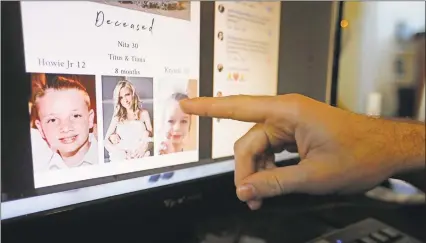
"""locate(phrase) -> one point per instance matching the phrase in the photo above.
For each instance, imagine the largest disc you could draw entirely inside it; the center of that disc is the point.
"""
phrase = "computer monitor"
(90, 90)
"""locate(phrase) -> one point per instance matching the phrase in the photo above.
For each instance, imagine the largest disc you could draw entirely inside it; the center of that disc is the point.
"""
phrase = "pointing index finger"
(237, 107)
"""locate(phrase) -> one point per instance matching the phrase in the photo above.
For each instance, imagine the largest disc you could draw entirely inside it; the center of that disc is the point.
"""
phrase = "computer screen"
(106, 87)
(92, 109)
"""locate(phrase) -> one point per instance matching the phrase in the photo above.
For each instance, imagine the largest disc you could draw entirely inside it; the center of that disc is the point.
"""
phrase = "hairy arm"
(406, 120)
(396, 145)
(407, 144)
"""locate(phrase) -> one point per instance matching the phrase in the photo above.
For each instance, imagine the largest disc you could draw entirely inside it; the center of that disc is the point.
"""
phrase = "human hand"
(114, 138)
(164, 148)
(141, 151)
(340, 152)
(129, 154)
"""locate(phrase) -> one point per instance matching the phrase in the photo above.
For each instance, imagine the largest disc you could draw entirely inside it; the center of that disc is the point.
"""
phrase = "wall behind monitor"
(369, 48)
(306, 48)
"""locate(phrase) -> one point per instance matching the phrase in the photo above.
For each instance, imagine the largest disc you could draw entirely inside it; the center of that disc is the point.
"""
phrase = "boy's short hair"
(58, 83)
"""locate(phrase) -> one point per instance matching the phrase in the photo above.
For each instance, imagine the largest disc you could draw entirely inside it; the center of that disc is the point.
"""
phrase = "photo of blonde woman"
(177, 129)
(129, 132)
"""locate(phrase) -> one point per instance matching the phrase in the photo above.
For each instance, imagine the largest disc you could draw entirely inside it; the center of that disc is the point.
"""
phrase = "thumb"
(273, 182)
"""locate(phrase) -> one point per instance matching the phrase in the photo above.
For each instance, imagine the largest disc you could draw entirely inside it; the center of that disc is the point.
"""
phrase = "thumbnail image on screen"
(177, 130)
(63, 121)
(128, 107)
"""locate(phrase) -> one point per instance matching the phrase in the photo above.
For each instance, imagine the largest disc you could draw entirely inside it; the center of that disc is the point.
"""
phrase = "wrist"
(407, 146)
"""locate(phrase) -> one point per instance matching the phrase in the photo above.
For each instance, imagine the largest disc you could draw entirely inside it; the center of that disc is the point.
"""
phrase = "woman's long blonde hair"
(119, 111)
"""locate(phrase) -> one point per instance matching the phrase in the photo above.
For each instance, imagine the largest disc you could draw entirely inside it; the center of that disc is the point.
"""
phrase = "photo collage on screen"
(105, 87)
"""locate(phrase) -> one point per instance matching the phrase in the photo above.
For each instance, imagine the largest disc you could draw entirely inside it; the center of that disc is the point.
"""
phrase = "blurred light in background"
(344, 23)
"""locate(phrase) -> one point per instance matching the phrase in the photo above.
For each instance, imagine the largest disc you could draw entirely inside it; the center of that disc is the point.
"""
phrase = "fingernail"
(254, 204)
(182, 102)
(246, 192)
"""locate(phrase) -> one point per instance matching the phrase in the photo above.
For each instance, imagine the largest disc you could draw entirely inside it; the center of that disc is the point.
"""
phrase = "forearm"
(405, 120)
(407, 145)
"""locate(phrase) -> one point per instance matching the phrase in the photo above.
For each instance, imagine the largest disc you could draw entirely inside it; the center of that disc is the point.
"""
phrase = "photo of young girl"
(176, 125)
(177, 130)
(127, 117)
(63, 121)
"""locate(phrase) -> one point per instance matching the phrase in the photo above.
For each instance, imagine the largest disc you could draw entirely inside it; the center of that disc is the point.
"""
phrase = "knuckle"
(206, 113)
(275, 185)
(295, 96)
(239, 146)
(230, 112)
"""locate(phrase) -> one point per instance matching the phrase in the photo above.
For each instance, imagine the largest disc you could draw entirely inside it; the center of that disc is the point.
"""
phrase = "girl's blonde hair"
(176, 97)
(119, 111)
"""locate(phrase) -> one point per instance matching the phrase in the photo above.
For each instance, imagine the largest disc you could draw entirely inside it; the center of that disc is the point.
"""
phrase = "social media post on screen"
(246, 50)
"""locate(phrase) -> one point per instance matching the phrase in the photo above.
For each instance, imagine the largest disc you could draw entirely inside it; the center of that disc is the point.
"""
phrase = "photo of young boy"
(63, 121)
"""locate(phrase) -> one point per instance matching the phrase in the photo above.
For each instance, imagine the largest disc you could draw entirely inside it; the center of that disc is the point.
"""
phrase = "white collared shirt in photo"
(44, 159)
